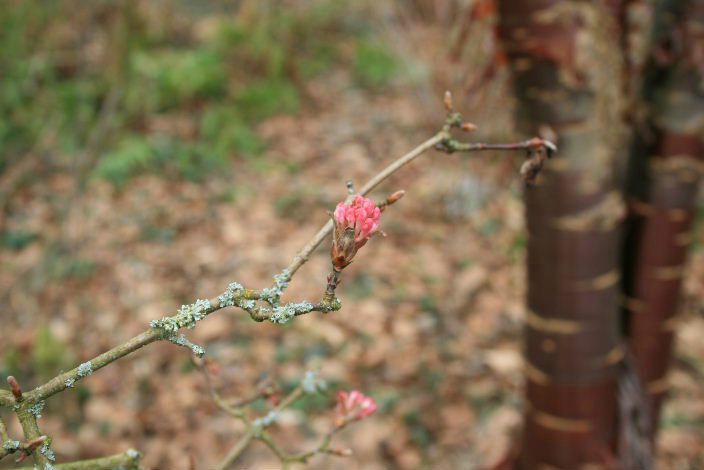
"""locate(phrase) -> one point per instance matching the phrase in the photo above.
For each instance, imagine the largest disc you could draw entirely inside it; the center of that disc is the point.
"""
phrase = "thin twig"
(236, 451)
(128, 460)
(302, 457)
(303, 255)
(28, 420)
(67, 379)
(256, 431)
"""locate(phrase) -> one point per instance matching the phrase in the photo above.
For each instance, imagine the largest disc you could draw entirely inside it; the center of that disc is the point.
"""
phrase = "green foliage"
(136, 154)
(74, 268)
(420, 433)
(224, 132)
(16, 240)
(172, 78)
(259, 101)
(133, 154)
(374, 65)
(252, 68)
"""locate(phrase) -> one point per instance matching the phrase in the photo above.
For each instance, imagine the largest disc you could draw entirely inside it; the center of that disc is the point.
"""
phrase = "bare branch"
(256, 428)
(68, 379)
(128, 460)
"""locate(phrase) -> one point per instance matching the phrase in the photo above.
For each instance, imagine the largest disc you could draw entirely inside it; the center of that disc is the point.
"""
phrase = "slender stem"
(25, 448)
(294, 395)
(302, 457)
(401, 162)
(233, 410)
(455, 146)
(28, 421)
(236, 451)
(127, 460)
(256, 432)
(67, 379)
(302, 256)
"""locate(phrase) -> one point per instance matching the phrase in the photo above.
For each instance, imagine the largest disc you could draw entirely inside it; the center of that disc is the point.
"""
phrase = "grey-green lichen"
(281, 282)
(46, 451)
(247, 304)
(186, 317)
(11, 446)
(311, 383)
(37, 408)
(330, 303)
(69, 382)
(230, 297)
(48, 466)
(85, 369)
(134, 454)
(282, 314)
(181, 340)
(266, 421)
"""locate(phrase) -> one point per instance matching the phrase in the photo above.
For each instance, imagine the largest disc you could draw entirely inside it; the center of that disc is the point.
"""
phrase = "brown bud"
(447, 100)
(15, 388)
(532, 166)
(340, 452)
(395, 196)
(34, 443)
(468, 127)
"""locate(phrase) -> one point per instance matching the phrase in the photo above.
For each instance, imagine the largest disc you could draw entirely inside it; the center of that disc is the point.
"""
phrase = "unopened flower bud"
(395, 197)
(353, 406)
(15, 387)
(447, 100)
(468, 127)
(346, 452)
(354, 225)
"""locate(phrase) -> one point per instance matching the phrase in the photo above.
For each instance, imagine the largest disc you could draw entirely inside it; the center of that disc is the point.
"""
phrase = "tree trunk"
(662, 191)
(568, 75)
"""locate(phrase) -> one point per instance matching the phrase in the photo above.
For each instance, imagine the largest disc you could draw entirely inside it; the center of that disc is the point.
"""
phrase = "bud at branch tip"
(15, 387)
(447, 100)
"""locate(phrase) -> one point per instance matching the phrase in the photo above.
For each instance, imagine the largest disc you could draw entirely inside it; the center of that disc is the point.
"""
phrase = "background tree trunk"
(663, 182)
(567, 75)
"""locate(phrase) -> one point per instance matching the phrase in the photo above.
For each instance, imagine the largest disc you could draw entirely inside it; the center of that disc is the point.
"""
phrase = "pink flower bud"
(353, 406)
(354, 224)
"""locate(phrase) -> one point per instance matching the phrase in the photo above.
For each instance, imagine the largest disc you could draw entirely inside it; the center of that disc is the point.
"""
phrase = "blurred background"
(153, 152)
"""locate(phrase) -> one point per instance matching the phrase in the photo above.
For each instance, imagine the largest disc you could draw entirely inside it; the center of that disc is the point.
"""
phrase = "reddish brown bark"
(567, 75)
(664, 181)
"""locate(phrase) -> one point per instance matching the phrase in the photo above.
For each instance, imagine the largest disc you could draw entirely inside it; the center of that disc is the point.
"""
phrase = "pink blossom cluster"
(362, 215)
(355, 223)
(353, 406)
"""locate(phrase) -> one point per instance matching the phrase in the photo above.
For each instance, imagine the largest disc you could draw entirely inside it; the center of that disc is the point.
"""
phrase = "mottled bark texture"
(664, 175)
(568, 76)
